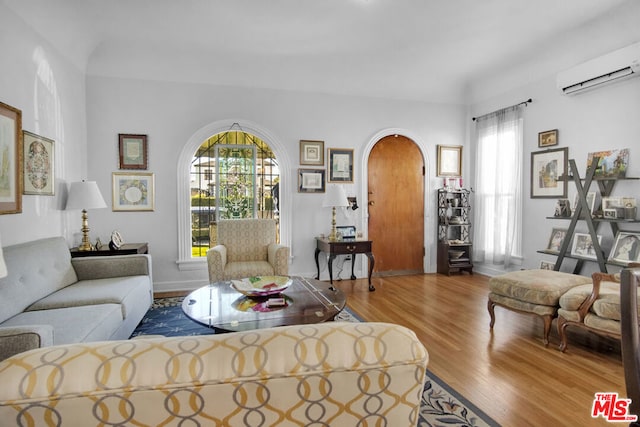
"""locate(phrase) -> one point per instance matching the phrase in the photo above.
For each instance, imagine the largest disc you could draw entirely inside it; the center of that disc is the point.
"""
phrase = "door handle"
(371, 203)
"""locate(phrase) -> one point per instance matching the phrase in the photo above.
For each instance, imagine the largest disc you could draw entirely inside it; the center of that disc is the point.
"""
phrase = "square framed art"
(312, 153)
(449, 160)
(38, 165)
(132, 151)
(133, 191)
(548, 173)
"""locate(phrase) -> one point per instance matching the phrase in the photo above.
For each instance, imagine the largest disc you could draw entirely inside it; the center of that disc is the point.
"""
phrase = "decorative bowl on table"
(456, 254)
(261, 286)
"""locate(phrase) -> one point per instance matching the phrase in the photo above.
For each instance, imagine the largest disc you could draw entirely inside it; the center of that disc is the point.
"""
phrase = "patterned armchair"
(247, 247)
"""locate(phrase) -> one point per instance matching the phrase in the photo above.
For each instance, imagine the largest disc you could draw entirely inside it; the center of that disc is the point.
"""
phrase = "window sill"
(192, 264)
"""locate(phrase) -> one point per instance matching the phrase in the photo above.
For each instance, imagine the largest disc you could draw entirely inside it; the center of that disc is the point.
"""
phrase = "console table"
(344, 247)
(126, 249)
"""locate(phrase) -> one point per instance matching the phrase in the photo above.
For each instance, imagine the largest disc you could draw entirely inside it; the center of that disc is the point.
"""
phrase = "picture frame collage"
(133, 191)
(339, 167)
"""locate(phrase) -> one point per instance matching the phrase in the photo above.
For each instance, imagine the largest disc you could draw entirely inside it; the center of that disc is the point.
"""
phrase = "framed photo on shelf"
(449, 160)
(591, 201)
(626, 248)
(340, 165)
(583, 245)
(38, 165)
(556, 239)
(611, 203)
(133, 191)
(312, 153)
(547, 265)
(311, 181)
(548, 173)
(11, 149)
(610, 213)
(132, 151)
(548, 138)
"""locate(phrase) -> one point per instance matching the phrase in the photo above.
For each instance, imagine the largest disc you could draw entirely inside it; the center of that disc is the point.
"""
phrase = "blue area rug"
(441, 405)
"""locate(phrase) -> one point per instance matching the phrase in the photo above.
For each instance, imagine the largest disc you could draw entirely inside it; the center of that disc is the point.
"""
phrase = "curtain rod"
(528, 101)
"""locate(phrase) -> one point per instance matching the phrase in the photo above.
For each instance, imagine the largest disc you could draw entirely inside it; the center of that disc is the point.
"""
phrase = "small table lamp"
(334, 197)
(85, 195)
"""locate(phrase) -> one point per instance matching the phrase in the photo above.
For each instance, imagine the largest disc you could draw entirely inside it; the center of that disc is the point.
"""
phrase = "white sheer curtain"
(498, 187)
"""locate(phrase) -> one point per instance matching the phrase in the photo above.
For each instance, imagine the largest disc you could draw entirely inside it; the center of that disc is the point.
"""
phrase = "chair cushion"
(540, 287)
(234, 270)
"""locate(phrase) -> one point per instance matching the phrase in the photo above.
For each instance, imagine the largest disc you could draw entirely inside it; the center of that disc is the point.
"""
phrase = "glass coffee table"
(224, 309)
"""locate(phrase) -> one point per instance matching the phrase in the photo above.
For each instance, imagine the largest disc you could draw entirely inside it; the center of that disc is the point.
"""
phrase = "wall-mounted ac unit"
(619, 64)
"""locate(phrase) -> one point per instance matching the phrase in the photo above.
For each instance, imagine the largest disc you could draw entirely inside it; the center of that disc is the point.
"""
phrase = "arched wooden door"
(396, 206)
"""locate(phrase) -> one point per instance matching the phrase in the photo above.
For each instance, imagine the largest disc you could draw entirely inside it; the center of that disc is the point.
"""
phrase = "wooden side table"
(344, 247)
(126, 249)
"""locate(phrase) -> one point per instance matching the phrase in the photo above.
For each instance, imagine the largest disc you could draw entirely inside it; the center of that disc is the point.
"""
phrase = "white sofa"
(49, 298)
(330, 374)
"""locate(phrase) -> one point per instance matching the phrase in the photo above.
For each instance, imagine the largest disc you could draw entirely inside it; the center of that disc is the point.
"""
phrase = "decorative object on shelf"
(132, 150)
(548, 138)
(583, 245)
(563, 208)
(85, 195)
(449, 160)
(133, 191)
(340, 165)
(611, 163)
(312, 153)
(626, 248)
(548, 173)
(333, 198)
(311, 180)
(38, 165)
(557, 237)
(116, 241)
(11, 172)
(609, 213)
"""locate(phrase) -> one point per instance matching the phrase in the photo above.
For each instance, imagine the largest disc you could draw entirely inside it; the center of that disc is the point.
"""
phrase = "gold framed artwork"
(133, 191)
(340, 165)
(10, 159)
(548, 138)
(132, 151)
(38, 167)
(449, 160)
(311, 180)
(312, 153)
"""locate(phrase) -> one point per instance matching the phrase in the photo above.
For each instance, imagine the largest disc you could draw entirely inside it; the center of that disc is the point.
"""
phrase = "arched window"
(219, 146)
(234, 175)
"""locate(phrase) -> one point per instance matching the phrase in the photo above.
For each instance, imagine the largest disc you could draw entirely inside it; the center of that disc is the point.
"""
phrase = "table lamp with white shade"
(334, 197)
(85, 195)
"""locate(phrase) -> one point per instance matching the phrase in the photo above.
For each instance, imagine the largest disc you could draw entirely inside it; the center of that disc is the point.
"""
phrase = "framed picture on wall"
(38, 165)
(340, 165)
(449, 160)
(11, 149)
(548, 138)
(548, 173)
(132, 151)
(133, 191)
(311, 181)
(312, 153)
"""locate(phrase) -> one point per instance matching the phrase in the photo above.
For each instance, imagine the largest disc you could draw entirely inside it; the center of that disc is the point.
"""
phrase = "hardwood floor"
(508, 373)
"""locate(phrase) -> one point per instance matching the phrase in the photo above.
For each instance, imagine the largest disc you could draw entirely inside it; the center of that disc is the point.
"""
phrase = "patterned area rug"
(441, 405)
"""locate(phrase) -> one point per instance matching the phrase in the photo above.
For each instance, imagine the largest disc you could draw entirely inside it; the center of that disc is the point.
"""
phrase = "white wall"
(50, 91)
(597, 120)
(170, 113)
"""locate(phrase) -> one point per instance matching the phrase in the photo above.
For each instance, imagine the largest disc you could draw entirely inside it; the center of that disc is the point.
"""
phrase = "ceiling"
(445, 51)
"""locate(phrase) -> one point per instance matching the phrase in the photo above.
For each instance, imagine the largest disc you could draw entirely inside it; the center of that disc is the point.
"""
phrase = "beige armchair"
(246, 248)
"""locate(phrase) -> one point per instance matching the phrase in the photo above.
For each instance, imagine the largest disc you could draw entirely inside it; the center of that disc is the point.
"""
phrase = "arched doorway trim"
(185, 261)
(429, 223)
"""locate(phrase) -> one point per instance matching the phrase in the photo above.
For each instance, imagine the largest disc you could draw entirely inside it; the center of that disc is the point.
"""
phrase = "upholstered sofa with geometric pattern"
(332, 374)
(246, 248)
